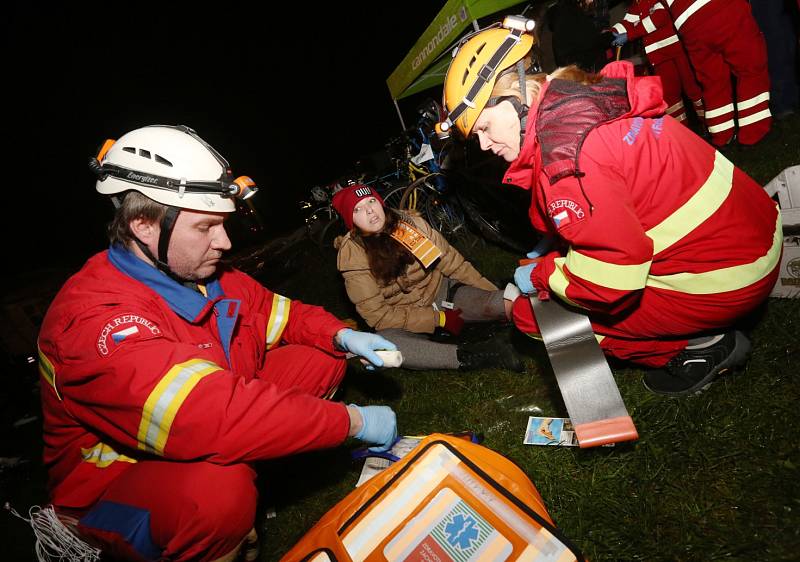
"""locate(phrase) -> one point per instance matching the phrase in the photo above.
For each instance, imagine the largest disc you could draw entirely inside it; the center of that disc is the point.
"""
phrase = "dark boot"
(695, 368)
(492, 354)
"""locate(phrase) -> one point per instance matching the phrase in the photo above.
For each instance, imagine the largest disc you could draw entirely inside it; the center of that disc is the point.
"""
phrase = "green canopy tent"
(426, 63)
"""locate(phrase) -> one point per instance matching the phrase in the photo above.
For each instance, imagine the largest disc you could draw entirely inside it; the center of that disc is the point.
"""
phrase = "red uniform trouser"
(162, 510)
(677, 78)
(659, 327)
(722, 43)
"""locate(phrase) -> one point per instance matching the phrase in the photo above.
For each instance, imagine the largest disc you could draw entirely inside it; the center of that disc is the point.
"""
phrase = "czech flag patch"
(564, 212)
(123, 328)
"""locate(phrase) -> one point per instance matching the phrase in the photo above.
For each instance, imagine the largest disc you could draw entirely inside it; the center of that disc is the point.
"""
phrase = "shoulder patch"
(124, 328)
(564, 212)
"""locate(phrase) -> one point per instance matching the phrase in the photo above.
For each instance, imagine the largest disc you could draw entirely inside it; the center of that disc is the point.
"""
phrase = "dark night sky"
(290, 104)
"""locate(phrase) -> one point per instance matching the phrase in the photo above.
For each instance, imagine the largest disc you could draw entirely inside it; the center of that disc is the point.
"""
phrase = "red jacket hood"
(645, 97)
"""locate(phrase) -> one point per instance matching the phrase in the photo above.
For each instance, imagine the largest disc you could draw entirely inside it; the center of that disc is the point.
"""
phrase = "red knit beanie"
(345, 200)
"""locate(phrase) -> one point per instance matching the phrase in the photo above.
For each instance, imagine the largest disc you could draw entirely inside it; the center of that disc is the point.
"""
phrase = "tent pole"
(475, 25)
(400, 115)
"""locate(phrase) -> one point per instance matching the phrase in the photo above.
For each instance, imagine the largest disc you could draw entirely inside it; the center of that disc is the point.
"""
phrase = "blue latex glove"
(619, 39)
(378, 425)
(365, 345)
(542, 247)
(522, 278)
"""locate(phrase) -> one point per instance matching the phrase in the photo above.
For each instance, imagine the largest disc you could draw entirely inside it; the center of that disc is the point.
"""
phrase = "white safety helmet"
(171, 165)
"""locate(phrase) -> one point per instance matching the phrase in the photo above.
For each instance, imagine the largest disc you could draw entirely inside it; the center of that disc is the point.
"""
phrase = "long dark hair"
(387, 259)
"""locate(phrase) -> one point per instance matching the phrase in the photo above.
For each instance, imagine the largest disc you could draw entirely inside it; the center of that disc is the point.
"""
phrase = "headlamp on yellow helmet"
(477, 62)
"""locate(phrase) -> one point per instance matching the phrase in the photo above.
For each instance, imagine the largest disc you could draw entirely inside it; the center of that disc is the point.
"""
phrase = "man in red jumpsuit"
(167, 374)
(660, 240)
(650, 21)
(722, 38)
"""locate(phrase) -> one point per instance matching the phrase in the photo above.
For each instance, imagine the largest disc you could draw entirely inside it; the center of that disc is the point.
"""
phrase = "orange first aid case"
(448, 499)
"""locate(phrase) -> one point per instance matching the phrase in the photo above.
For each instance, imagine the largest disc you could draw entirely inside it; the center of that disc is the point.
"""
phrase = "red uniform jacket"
(684, 12)
(651, 21)
(642, 204)
(138, 366)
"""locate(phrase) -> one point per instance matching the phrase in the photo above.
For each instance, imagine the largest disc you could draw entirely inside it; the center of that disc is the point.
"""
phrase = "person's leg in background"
(671, 84)
(691, 89)
(745, 52)
(714, 77)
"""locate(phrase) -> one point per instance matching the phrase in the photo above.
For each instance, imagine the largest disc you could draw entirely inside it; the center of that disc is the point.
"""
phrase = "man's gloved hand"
(364, 344)
(451, 320)
(522, 278)
(619, 39)
(378, 425)
(542, 247)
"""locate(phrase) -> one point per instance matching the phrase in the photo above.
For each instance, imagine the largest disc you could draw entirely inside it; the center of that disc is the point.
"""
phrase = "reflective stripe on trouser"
(161, 510)
(730, 43)
(662, 322)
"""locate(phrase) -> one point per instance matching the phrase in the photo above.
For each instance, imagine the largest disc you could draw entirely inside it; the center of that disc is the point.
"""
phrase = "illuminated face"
(197, 243)
(368, 215)
(497, 129)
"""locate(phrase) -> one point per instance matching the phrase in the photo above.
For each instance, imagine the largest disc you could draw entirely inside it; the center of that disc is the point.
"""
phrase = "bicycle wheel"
(317, 220)
(490, 229)
(407, 198)
(445, 214)
(330, 231)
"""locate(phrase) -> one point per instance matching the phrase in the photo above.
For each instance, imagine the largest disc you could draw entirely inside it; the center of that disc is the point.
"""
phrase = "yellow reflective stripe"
(648, 25)
(716, 112)
(166, 398)
(673, 108)
(724, 279)
(599, 338)
(47, 371)
(697, 209)
(558, 282)
(721, 127)
(102, 455)
(689, 12)
(610, 275)
(752, 102)
(754, 117)
(278, 317)
(672, 39)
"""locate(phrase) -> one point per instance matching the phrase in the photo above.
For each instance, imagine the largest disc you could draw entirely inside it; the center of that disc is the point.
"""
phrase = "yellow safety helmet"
(476, 65)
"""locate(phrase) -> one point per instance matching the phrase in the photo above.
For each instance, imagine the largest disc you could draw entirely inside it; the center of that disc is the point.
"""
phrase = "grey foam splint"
(586, 382)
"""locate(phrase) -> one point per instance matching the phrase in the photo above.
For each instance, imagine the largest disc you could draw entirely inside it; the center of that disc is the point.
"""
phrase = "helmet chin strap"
(166, 227)
(520, 107)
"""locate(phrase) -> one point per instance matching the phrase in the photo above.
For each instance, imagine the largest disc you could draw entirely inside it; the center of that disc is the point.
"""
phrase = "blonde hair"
(508, 83)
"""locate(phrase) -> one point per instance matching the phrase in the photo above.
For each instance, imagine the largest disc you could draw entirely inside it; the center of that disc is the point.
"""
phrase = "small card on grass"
(550, 431)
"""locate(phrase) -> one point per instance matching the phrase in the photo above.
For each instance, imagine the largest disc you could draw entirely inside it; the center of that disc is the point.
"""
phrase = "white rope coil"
(54, 540)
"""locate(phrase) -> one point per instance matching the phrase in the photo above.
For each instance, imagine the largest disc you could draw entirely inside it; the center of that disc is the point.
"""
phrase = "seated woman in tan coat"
(406, 281)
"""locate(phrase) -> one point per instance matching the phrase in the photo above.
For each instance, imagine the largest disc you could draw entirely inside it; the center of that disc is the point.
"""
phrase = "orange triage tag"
(417, 243)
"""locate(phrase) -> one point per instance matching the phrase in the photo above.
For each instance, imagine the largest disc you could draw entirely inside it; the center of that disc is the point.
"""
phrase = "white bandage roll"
(390, 358)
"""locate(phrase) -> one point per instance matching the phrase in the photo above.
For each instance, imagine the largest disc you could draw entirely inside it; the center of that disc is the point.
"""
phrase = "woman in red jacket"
(656, 236)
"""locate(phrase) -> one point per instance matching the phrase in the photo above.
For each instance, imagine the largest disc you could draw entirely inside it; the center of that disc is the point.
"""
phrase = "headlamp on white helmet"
(171, 165)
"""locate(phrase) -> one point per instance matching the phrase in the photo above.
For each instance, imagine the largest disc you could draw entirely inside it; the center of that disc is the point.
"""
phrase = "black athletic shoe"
(694, 369)
(496, 353)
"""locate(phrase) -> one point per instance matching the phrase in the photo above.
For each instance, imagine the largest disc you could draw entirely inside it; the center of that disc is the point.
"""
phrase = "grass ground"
(713, 477)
